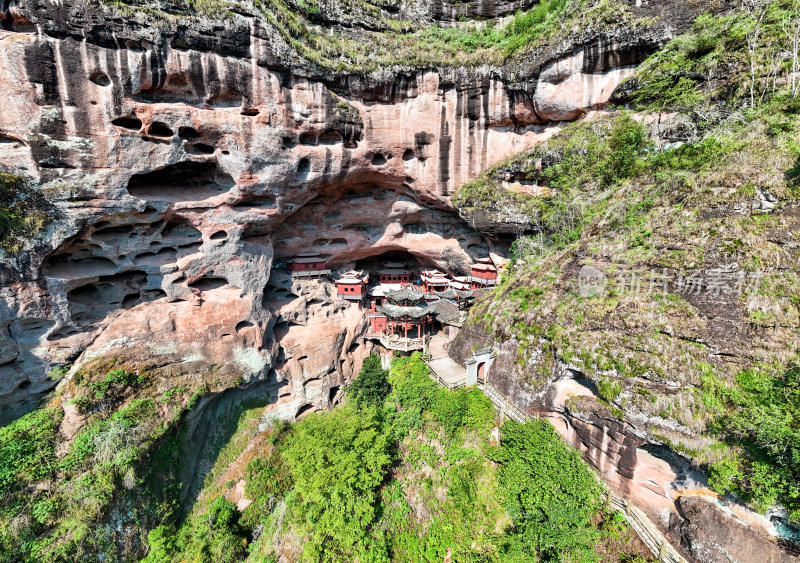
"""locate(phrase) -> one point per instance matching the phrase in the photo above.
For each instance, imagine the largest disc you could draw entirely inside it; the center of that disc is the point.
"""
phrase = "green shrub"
(213, 536)
(762, 417)
(337, 462)
(549, 492)
(693, 157)
(626, 140)
(462, 409)
(609, 389)
(371, 386)
(24, 212)
(27, 449)
(108, 390)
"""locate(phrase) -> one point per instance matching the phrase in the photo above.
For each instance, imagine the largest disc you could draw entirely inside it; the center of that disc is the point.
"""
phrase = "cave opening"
(184, 181)
(372, 264)
(305, 409)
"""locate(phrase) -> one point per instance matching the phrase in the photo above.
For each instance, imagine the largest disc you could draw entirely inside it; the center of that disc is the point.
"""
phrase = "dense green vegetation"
(549, 494)
(736, 55)
(584, 168)
(55, 494)
(761, 415)
(409, 44)
(412, 478)
(641, 207)
(372, 386)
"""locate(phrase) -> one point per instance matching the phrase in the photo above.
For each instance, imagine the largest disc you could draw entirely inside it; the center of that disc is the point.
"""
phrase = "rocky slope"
(653, 299)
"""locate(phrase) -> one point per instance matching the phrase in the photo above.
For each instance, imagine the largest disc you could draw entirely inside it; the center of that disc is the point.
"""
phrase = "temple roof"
(407, 293)
(352, 277)
(434, 273)
(394, 271)
(484, 260)
(460, 285)
(484, 267)
(385, 288)
(446, 312)
(452, 293)
(399, 311)
(448, 293)
(307, 259)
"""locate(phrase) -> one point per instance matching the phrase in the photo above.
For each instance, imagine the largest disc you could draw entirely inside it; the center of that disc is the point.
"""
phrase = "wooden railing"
(504, 404)
(438, 379)
(310, 273)
(484, 281)
(400, 343)
(646, 530)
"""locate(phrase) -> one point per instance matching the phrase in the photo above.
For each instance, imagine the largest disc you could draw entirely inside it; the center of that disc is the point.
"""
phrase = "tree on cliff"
(371, 386)
(338, 462)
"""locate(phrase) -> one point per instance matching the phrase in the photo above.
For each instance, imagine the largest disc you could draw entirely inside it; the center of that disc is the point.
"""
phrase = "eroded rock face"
(184, 156)
(738, 542)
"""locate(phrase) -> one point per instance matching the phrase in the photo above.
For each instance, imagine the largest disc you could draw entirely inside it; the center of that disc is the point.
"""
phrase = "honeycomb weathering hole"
(378, 160)
(303, 410)
(303, 169)
(188, 133)
(259, 202)
(209, 284)
(130, 123)
(308, 139)
(100, 78)
(160, 129)
(331, 138)
(243, 325)
(184, 181)
(199, 148)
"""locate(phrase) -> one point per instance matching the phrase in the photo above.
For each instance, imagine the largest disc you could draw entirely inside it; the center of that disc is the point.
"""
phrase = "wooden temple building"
(434, 280)
(403, 311)
(352, 286)
(405, 319)
(484, 274)
(308, 266)
(394, 273)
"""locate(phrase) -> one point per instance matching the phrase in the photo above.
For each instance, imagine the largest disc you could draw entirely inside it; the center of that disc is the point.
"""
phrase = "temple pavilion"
(352, 286)
(401, 322)
(394, 273)
(484, 274)
(306, 265)
(461, 283)
(434, 280)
